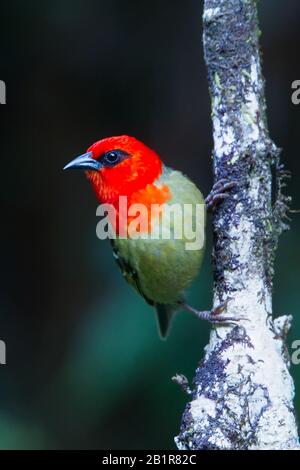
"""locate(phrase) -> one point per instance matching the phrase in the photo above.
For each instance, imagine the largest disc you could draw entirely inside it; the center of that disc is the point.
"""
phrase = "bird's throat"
(140, 208)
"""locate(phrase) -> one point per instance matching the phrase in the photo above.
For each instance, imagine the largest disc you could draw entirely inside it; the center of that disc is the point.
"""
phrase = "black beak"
(84, 162)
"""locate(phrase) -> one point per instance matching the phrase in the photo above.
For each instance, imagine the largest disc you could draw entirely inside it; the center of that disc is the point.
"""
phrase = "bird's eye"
(111, 158)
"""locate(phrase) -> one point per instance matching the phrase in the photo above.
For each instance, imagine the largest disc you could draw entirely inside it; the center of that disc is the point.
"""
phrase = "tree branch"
(242, 395)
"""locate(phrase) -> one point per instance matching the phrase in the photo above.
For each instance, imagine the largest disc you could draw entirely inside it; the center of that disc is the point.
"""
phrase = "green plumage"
(161, 269)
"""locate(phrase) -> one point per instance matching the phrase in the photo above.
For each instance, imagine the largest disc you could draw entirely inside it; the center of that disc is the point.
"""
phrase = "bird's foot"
(213, 316)
(218, 193)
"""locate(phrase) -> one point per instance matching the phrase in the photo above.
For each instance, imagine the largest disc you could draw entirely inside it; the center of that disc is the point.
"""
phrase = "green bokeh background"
(85, 367)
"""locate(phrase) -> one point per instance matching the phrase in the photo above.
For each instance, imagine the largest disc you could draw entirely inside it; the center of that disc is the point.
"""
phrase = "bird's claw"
(214, 316)
(219, 193)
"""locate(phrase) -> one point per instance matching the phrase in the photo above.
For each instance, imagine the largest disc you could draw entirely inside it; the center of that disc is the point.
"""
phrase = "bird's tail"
(164, 314)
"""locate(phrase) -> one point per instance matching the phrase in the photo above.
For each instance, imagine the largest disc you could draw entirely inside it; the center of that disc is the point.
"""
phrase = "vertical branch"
(242, 393)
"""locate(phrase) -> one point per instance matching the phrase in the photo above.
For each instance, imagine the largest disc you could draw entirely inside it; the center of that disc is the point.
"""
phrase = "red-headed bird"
(159, 269)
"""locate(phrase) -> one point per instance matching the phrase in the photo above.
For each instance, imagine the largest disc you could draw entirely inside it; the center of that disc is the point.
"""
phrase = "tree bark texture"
(242, 394)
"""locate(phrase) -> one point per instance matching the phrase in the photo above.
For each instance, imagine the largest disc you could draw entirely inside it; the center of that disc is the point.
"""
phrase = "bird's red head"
(118, 166)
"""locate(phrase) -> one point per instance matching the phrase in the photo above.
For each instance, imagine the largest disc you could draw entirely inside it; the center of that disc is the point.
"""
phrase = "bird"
(160, 269)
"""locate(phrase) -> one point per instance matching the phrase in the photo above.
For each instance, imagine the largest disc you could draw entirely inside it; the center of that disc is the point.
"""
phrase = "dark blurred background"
(85, 367)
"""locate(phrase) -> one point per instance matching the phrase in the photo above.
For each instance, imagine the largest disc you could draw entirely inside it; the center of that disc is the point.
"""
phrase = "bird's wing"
(129, 272)
(164, 312)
